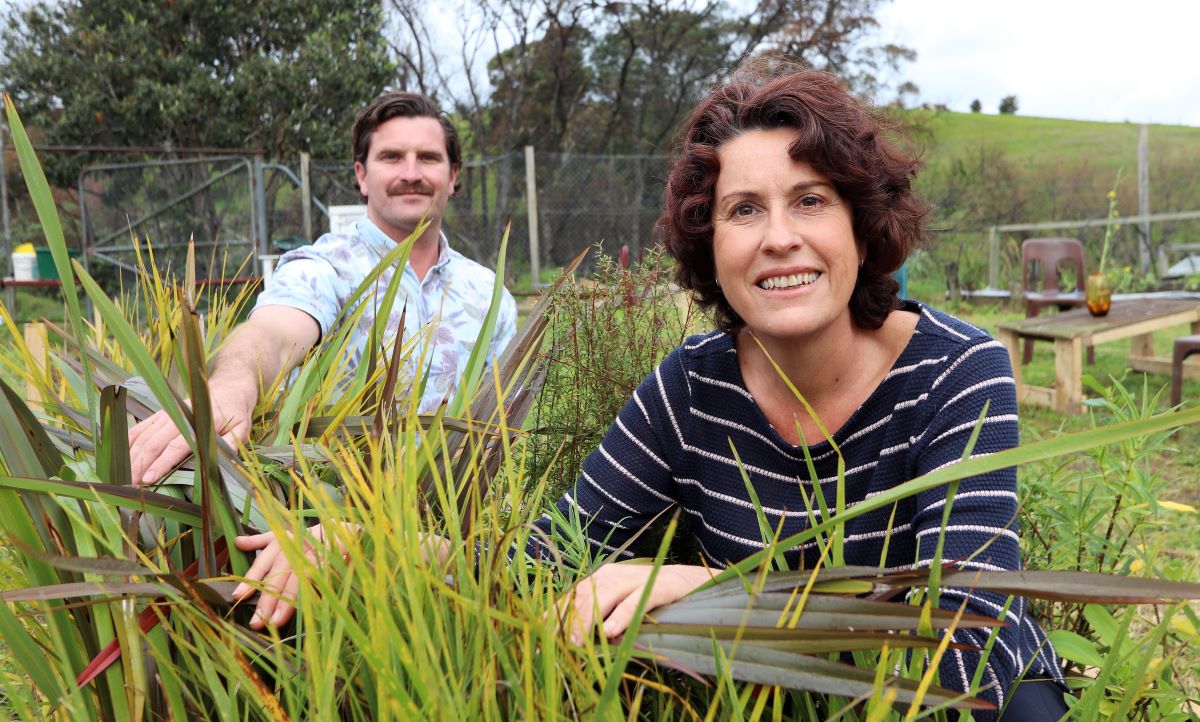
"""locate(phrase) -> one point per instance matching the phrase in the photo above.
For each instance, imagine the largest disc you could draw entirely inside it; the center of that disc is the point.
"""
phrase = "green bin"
(46, 270)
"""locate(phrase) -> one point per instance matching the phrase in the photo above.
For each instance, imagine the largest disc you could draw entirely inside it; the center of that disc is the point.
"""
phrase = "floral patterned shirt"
(446, 309)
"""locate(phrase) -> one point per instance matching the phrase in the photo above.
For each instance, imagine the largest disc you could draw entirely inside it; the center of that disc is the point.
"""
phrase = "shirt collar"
(383, 244)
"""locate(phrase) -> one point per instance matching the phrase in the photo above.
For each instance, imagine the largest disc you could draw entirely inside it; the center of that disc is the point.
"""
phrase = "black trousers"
(1034, 700)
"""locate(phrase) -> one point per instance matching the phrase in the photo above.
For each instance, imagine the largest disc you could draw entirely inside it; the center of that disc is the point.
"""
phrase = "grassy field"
(1046, 141)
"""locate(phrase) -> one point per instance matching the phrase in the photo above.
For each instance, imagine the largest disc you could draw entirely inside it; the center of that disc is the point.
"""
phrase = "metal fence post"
(84, 244)
(535, 259)
(260, 208)
(306, 197)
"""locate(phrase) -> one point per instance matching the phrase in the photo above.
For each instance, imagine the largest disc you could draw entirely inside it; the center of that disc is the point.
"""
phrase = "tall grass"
(128, 616)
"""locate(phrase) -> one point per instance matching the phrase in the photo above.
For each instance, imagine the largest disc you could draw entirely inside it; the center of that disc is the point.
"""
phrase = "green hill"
(1031, 141)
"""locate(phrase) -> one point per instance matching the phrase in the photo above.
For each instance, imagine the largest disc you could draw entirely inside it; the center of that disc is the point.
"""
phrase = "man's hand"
(271, 342)
(156, 446)
(614, 590)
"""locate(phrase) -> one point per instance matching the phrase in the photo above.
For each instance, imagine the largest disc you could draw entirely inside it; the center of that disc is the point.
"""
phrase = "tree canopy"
(289, 75)
(280, 75)
(618, 77)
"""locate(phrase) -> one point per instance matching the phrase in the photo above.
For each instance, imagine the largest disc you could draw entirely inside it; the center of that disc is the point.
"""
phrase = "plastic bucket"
(46, 270)
(24, 267)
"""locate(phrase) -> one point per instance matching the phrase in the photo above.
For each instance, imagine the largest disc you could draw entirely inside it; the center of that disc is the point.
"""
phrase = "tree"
(976, 106)
(281, 75)
(835, 35)
(1008, 105)
(593, 76)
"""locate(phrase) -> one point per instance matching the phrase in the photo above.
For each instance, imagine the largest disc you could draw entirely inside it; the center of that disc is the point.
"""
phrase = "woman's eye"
(809, 201)
(742, 209)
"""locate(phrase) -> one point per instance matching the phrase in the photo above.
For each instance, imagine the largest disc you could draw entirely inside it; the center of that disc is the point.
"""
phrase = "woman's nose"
(781, 234)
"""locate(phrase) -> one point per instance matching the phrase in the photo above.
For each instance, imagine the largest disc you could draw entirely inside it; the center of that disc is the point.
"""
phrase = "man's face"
(407, 175)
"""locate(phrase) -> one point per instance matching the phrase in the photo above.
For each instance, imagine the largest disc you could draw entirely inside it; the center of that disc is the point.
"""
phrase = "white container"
(24, 267)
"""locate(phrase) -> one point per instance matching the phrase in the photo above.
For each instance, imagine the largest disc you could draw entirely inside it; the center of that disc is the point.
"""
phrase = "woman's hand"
(614, 590)
(277, 603)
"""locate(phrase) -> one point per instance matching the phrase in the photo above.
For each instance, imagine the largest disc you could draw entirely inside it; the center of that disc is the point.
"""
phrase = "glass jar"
(1098, 294)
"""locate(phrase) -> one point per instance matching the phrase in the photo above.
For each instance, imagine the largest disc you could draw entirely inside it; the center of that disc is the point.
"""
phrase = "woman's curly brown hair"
(838, 136)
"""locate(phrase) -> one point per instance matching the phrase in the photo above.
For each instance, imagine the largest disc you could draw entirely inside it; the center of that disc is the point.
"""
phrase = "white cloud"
(1099, 60)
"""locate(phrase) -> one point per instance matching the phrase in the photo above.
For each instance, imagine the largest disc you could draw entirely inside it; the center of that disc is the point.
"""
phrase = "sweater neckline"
(854, 421)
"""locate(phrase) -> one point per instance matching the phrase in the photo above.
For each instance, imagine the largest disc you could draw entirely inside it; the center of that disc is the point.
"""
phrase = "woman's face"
(783, 240)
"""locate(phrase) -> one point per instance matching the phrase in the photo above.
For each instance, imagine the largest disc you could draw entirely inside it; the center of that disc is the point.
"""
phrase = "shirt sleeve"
(626, 482)
(982, 530)
(307, 281)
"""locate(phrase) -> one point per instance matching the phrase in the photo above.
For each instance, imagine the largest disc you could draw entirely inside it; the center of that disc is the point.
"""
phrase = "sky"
(1087, 60)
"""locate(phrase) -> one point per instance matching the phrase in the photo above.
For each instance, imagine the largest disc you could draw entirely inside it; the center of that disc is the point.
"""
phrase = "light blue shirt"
(447, 308)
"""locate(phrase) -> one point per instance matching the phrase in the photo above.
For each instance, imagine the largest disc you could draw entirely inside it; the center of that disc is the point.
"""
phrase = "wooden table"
(1071, 331)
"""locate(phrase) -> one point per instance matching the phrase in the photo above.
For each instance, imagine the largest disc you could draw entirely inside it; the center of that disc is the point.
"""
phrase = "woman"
(786, 211)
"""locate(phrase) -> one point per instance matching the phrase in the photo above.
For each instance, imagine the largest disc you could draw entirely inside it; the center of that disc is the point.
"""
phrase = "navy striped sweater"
(671, 445)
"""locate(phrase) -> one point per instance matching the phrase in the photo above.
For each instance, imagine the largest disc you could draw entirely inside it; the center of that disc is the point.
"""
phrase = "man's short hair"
(399, 104)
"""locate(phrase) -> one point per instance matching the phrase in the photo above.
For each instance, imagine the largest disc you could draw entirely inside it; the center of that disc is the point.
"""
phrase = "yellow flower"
(1112, 195)
(1136, 566)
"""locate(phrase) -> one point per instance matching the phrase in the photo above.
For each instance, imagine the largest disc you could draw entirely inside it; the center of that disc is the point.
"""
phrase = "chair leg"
(1028, 352)
(1177, 372)
(1091, 355)
(1177, 376)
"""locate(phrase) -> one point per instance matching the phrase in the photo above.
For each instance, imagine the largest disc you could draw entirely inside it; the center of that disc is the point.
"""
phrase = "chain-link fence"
(582, 200)
(169, 203)
(232, 209)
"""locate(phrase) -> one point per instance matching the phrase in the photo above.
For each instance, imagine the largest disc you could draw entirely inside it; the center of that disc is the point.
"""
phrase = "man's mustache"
(402, 188)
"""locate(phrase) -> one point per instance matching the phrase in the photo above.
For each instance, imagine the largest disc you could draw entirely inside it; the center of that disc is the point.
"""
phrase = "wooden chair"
(1051, 254)
(1184, 346)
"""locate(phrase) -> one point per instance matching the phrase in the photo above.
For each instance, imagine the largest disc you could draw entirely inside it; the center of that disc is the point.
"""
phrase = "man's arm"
(271, 342)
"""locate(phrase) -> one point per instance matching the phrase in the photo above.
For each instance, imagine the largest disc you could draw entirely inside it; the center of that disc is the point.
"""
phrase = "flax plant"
(419, 601)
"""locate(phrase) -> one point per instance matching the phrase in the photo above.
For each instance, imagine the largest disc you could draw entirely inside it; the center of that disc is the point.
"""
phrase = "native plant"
(128, 611)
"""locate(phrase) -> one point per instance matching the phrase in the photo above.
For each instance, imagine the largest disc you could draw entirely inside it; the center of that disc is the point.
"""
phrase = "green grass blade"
(112, 455)
(26, 652)
(1050, 448)
(215, 506)
(132, 346)
(24, 445)
(43, 202)
(136, 498)
(761, 665)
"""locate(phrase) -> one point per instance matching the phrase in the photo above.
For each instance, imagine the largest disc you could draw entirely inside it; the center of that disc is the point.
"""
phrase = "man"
(406, 158)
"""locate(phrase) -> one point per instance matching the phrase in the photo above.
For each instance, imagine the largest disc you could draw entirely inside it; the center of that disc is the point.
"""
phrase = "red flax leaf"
(148, 619)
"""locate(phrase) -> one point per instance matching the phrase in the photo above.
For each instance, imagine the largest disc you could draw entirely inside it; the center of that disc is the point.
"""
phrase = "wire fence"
(234, 207)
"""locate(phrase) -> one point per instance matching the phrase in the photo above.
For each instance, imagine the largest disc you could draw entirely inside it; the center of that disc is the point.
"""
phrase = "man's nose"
(409, 170)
